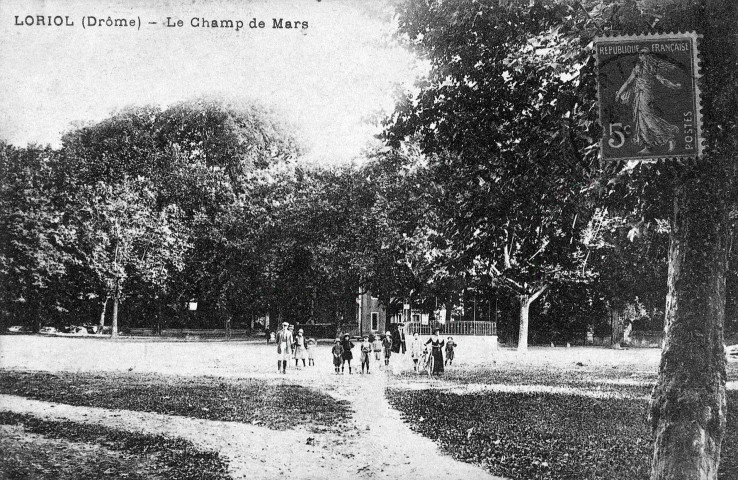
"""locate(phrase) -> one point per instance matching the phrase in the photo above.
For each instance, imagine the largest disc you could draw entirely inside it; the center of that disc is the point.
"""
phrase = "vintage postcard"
(358, 240)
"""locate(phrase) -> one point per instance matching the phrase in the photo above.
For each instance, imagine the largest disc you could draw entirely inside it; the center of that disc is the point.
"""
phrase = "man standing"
(398, 340)
(284, 347)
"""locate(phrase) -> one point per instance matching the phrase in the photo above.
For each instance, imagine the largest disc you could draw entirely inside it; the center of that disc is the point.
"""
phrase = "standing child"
(387, 345)
(337, 354)
(284, 347)
(377, 347)
(311, 343)
(300, 346)
(366, 351)
(416, 351)
(450, 345)
(347, 354)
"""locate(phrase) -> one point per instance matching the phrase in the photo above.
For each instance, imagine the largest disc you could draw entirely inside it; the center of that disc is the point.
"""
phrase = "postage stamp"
(649, 97)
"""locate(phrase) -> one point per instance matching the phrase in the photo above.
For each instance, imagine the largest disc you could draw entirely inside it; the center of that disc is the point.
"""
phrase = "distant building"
(372, 315)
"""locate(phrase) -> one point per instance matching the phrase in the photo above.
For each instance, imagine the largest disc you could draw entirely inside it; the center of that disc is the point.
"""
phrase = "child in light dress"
(310, 346)
(377, 348)
(416, 351)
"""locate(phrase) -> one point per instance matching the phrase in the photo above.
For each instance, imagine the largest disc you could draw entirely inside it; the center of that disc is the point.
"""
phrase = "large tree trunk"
(688, 404)
(114, 329)
(523, 333)
(102, 313)
(525, 303)
(616, 322)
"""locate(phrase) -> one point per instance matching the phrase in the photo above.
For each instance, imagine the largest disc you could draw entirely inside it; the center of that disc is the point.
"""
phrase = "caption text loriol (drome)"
(93, 21)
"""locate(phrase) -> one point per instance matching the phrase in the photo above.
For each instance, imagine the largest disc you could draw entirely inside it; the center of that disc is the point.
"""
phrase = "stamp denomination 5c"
(649, 97)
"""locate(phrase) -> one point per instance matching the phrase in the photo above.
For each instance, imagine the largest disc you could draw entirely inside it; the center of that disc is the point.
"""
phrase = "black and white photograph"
(369, 239)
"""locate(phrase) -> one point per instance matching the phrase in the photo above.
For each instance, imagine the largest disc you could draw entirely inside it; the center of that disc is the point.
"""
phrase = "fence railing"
(646, 338)
(454, 328)
(329, 330)
(189, 332)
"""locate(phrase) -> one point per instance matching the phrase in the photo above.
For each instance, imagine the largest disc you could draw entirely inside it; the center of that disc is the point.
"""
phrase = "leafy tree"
(121, 234)
(494, 117)
(198, 156)
(688, 407)
(34, 236)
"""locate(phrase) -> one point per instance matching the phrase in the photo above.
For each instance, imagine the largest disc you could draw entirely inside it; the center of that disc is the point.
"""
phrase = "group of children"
(297, 347)
(380, 347)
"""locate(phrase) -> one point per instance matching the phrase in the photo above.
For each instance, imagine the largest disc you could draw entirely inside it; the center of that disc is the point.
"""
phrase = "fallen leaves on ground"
(543, 435)
(278, 406)
(140, 456)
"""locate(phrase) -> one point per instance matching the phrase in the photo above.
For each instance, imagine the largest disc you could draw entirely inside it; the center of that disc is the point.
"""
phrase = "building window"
(375, 320)
(416, 318)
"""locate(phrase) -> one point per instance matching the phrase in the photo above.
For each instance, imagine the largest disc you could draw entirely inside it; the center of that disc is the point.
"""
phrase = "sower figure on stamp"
(284, 347)
(638, 91)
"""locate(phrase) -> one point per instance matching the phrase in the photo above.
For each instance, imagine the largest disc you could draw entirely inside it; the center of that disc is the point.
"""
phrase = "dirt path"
(384, 446)
(375, 444)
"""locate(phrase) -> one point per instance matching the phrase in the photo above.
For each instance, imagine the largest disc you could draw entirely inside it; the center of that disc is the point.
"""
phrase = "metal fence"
(454, 328)
(646, 338)
(190, 332)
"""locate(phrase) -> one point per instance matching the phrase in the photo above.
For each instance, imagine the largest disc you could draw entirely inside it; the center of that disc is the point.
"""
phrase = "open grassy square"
(551, 419)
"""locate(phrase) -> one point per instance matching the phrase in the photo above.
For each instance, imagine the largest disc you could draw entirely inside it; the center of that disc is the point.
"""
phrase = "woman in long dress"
(638, 92)
(437, 344)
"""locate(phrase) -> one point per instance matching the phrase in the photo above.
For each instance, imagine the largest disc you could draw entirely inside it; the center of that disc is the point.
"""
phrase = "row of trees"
(208, 200)
(488, 183)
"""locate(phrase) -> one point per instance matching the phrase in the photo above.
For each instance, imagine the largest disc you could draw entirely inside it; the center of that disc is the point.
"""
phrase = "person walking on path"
(416, 351)
(450, 345)
(366, 352)
(436, 343)
(300, 352)
(284, 347)
(347, 354)
(387, 345)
